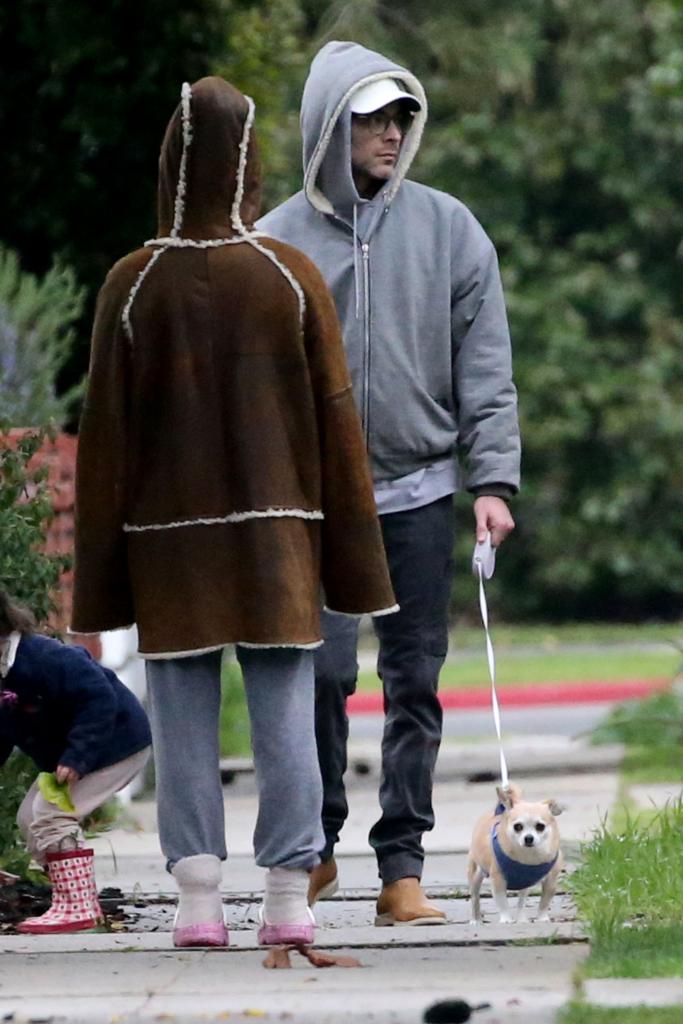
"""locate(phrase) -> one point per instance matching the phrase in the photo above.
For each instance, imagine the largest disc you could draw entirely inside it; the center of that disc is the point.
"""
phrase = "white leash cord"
(483, 565)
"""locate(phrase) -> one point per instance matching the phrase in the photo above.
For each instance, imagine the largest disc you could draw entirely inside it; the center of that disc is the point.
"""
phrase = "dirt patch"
(22, 900)
(122, 913)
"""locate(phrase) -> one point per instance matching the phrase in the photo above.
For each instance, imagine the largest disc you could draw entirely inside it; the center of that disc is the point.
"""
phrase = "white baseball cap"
(377, 94)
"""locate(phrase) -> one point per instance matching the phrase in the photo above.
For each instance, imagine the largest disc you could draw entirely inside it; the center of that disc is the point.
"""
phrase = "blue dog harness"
(517, 876)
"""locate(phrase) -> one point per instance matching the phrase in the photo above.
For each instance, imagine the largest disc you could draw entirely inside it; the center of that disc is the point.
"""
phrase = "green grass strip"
(627, 889)
(584, 1013)
(648, 951)
(514, 668)
(653, 764)
(548, 636)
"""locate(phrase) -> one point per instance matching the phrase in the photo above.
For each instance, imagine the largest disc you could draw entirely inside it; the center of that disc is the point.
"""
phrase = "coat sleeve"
(102, 597)
(484, 392)
(355, 576)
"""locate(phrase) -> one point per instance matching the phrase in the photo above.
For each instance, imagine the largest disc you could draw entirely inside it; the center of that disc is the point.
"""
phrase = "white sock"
(285, 900)
(66, 845)
(198, 879)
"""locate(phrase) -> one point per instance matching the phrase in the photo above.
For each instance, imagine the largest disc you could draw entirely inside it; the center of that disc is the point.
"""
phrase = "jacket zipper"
(365, 249)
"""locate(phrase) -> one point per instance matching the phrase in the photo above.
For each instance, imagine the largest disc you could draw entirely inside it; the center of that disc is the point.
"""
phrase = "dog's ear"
(507, 795)
(555, 807)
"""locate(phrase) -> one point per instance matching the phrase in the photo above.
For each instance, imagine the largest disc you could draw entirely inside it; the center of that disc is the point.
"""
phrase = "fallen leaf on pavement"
(278, 958)
(325, 960)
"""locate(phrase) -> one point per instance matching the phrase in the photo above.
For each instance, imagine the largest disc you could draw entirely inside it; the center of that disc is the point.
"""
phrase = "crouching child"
(75, 719)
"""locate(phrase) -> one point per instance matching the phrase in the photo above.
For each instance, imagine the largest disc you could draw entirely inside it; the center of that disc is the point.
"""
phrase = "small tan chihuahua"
(516, 846)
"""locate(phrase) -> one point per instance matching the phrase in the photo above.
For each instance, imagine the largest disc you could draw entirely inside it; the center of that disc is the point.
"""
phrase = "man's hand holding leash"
(492, 516)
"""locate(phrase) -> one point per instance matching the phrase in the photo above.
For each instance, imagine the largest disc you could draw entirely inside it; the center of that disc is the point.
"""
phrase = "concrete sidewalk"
(524, 970)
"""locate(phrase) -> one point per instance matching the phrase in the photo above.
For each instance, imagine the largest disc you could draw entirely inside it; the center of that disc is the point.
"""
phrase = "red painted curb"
(587, 692)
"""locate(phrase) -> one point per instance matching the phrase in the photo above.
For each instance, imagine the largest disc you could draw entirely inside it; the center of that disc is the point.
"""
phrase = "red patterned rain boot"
(75, 907)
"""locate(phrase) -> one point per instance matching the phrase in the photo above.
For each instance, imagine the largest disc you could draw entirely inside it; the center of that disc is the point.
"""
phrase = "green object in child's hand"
(55, 792)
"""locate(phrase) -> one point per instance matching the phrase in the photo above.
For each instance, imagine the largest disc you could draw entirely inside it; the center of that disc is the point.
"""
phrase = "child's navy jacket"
(69, 710)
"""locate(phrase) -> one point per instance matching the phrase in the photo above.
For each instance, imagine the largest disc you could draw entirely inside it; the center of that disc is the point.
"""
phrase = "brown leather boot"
(403, 902)
(323, 882)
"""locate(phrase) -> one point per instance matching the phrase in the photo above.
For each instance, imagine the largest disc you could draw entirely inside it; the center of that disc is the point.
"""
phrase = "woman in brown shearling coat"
(222, 484)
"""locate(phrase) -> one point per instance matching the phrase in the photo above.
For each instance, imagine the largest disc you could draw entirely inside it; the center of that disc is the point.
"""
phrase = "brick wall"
(60, 458)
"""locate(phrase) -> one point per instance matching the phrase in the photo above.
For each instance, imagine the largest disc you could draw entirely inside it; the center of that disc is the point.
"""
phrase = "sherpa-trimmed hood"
(338, 71)
(209, 173)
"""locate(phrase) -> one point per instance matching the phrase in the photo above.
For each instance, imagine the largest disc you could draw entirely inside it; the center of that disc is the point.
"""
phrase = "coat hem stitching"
(232, 517)
(167, 655)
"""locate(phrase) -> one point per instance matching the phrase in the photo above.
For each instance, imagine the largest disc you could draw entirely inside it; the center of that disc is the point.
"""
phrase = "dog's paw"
(542, 918)
(474, 922)
(506, 919)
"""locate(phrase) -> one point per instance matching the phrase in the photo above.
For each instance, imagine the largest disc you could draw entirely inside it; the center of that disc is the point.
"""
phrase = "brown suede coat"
(222, 477)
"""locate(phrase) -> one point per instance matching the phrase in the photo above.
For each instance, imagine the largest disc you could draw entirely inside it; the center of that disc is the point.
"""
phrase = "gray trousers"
(412, 648)
(184, 697)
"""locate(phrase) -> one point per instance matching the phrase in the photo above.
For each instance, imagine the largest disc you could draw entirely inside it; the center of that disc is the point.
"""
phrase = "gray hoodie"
(416, 284)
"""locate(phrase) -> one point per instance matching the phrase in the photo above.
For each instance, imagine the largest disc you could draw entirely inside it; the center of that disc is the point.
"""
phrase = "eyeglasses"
(377, 123)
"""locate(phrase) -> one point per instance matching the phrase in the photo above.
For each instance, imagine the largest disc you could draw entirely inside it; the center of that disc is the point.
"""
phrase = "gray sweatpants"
(184, 697)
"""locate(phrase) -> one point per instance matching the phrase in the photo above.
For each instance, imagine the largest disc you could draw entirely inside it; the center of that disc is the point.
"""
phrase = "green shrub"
(37, 320)
(655, 721)
(30, 576)
(17, 775)
(652, 730)
(27, 573)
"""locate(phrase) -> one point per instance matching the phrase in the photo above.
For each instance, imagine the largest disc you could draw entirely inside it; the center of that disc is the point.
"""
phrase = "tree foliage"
(37, 320)
(92, 89)
(559, 122)
(266, 57)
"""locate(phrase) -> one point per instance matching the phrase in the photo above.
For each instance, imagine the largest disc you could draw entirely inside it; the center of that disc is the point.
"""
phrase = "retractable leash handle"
(483, 567)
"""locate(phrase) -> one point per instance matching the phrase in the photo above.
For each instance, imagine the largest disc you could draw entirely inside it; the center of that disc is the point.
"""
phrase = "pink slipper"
(201, 935)
(286, 934)
(200, 907)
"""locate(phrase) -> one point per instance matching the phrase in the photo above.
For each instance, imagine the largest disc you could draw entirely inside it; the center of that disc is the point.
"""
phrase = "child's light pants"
(184, 696)
(47, 829)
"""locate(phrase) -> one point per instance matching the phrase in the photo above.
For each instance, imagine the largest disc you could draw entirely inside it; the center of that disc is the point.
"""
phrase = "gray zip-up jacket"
(416, 284)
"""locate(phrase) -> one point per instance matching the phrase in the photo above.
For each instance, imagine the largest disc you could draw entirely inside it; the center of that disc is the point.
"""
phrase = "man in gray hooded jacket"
(417, 288)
